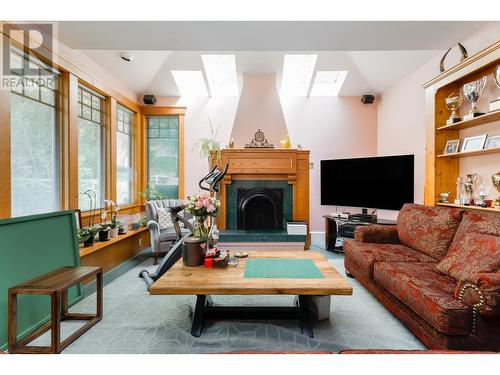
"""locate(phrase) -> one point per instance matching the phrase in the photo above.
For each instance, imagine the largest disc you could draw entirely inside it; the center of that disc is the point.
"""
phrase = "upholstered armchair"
(163, 239)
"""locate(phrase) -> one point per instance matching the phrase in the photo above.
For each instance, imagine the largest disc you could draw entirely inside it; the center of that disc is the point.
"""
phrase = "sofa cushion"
(478, 222)
(164, 218)
(475, 253)
(429, 230)
(169, 234)
(427, 292)
(364, 255)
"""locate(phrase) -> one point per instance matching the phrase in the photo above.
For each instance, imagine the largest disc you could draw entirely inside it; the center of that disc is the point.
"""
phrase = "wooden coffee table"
(203, 282)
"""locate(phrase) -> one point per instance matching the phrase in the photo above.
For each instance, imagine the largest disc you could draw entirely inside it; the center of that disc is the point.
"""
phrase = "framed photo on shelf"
(492, 142)
(451, 146)
(474, 143)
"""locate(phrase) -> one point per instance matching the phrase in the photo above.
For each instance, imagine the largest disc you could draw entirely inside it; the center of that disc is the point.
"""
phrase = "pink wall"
(401, 115)
(259, 107)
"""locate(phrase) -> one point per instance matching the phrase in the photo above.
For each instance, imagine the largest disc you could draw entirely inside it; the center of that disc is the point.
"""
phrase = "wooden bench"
(56, 285)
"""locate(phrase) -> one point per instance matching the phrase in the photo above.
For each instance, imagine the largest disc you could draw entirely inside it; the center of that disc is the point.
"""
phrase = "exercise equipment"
(210, 183)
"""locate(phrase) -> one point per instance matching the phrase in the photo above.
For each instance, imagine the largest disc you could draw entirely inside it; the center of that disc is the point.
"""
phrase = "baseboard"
(118, 271)
(318, 240)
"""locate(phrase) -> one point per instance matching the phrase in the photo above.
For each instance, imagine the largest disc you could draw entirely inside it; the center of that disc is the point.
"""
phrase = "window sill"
(101, 245)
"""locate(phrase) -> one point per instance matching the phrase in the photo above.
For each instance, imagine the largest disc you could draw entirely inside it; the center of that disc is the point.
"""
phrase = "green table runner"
(282, 269)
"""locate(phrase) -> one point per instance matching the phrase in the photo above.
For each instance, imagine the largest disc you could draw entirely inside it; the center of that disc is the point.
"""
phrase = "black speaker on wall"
(367, 99)
(149, 99)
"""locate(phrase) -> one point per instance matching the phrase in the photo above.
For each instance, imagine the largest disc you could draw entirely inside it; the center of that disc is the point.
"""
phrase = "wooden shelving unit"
(472, 208)
(485, 151)
(442, 170)
(481, 120)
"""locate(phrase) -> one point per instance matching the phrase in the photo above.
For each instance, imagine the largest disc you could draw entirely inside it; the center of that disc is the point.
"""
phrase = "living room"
(199, 185)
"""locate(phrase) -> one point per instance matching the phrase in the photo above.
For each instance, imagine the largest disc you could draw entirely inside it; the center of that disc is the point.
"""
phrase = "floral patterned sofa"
(437, 271)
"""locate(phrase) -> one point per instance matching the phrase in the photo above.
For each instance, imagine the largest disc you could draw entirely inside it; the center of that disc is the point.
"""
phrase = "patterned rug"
(135, 322)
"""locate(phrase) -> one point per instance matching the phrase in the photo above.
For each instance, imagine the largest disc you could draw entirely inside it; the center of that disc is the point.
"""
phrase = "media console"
(338, 229)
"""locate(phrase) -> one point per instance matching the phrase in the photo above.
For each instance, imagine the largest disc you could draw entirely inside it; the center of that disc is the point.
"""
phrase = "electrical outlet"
(311, 165)
(140, 242)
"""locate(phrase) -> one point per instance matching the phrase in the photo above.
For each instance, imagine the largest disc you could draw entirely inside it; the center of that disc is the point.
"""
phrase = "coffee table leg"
(305, 315)
(199, 314)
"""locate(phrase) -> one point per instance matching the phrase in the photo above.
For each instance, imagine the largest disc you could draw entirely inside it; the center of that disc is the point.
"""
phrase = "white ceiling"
(376, 54)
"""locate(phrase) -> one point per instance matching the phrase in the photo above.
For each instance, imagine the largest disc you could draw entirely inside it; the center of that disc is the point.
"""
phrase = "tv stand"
(336, 228)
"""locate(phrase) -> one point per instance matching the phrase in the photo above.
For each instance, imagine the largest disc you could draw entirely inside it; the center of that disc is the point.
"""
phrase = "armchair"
(162, 240)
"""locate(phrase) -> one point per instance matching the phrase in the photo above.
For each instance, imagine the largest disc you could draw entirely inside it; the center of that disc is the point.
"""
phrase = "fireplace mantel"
(268, 164)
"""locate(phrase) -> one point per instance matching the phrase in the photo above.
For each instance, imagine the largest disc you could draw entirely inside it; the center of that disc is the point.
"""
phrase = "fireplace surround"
(249, 168)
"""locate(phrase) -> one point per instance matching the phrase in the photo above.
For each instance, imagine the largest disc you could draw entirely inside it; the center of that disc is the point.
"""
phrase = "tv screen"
(379, 182)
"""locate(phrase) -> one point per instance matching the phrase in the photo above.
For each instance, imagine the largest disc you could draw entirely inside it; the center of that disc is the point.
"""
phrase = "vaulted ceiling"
(376, 54)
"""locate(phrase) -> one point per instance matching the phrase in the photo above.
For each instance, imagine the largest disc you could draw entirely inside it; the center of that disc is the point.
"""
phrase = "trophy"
(496, 183)
(453, 102)
(495, 104)
(469, 186)
(472, 92)
(460, 188)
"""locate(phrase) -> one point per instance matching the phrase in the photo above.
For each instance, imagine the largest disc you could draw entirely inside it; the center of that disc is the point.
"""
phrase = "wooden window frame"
(71, 76)
(147, 111)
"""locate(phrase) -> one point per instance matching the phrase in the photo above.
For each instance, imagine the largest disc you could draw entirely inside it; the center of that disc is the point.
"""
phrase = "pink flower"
(199, 204)
(206, 202)
(211, 208)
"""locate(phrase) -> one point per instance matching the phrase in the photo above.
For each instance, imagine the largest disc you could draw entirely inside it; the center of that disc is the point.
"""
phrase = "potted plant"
(209, 146)
(103, 232)
(87, 235)
(114, 227)
(122, 229)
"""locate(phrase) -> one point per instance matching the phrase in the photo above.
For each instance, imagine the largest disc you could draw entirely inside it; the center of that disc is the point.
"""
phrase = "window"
(90, 146)
(163, 154)
(35, 180)
(124, 175)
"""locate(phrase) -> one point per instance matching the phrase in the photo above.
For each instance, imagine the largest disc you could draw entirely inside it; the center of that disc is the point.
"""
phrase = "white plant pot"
(113, 232)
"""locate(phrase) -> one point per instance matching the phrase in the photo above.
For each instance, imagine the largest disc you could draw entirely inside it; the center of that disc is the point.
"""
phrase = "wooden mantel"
(291, 165)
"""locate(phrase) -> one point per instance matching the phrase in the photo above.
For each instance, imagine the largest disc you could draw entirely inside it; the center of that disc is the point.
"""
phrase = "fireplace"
(260, 209)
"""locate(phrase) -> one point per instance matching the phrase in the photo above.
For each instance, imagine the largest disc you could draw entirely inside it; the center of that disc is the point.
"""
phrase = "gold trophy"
(495, 104)
(495, 179)
(453, 102)
(472, 92)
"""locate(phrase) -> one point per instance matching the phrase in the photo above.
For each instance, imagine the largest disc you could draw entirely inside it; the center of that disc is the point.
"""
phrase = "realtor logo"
(34, 44)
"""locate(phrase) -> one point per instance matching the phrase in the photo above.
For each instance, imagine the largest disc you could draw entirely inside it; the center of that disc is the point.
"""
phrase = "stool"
(56, 285)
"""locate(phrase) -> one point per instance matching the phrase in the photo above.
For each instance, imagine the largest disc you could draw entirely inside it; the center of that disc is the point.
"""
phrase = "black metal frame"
(205, 310)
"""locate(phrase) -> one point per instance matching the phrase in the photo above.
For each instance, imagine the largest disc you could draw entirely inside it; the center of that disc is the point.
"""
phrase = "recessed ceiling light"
(328, 83)
(221, 74)
(297, 74)
(190, 82)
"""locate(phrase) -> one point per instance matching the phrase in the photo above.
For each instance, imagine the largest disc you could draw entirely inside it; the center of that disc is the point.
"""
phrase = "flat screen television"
(384, 182)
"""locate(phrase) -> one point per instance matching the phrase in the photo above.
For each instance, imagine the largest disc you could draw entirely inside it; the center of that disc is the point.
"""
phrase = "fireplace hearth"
(260, 209)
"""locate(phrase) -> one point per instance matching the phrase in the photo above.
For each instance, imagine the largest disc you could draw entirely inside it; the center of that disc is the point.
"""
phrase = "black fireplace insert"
(260, 209)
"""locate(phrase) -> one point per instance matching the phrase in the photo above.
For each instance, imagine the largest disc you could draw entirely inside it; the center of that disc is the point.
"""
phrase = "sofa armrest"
(377, 234)
(481, 291)
(154, 235)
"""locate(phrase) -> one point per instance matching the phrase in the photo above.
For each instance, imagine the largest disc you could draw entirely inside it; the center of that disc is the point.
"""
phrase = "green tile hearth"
(235, 235)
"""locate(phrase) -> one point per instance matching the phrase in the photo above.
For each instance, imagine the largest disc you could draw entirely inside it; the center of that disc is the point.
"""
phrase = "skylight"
(328, 83)
(190, 82)
(221, 74)
(297, 74)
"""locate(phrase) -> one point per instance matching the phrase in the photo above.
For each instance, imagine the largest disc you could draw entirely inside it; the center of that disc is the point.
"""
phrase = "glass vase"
(200, 230)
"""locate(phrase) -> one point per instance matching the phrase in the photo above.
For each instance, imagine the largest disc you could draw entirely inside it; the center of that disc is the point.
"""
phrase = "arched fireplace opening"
(260, 209)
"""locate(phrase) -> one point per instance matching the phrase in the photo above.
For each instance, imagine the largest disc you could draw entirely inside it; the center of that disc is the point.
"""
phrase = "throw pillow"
(477, 253)
(164, 219)
(429, 230)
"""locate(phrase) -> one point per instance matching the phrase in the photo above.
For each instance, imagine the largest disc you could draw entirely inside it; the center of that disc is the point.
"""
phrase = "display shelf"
(485, 151)
(100, 245)
(471, 208)
(476, 121)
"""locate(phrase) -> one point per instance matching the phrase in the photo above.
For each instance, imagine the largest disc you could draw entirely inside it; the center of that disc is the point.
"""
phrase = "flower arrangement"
(201, 206)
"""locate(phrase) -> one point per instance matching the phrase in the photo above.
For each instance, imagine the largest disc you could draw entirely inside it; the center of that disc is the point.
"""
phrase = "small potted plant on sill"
(103, 232)
(87, 235)
(122, 229)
